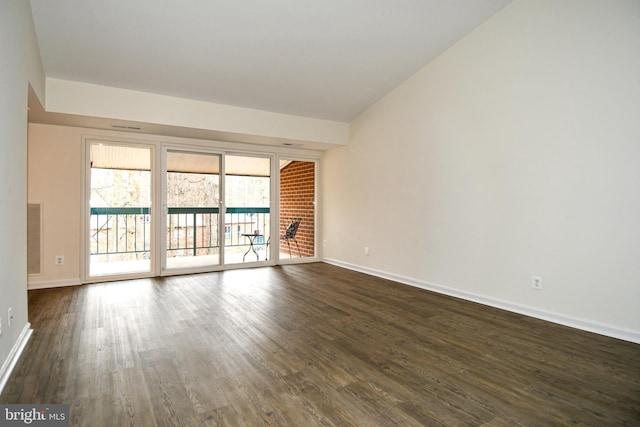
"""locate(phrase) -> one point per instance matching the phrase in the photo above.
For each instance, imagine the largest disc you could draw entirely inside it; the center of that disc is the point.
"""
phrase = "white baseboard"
(562, 319)
(54, 283)
(14, 355)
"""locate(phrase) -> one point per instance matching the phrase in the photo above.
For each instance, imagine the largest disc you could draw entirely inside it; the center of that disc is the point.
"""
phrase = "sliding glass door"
(120, 221)
(192, 206)
(199, 232)
(247, 219)
(205, 210)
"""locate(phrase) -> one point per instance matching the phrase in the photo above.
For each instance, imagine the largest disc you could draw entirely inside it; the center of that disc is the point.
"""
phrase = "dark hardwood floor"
(307, 345)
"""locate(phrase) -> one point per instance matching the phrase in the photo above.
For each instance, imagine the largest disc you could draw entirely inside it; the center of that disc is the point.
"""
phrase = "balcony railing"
(191, 231)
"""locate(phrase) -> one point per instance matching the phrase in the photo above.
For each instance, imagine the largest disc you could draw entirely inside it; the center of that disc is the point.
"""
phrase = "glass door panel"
(193, 210)
(247, 230)
(120, 219)
(297, 209)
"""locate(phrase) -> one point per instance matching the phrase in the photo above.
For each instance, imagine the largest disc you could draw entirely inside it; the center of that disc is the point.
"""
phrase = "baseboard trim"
(562, 319)
(14, 355)
(54, 283)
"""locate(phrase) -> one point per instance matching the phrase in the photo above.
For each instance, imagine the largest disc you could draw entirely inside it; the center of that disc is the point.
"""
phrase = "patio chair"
(290, 234)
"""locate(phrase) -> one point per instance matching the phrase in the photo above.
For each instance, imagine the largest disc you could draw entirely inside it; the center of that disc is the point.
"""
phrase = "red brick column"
(297, 194)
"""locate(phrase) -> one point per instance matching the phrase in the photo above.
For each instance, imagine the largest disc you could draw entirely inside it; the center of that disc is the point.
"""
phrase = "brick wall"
(297, 194)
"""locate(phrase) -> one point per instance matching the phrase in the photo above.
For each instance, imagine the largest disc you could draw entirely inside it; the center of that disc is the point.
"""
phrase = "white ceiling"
(328, 59)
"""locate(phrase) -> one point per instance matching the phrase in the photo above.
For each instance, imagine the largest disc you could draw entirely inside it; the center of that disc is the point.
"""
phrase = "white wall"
(92, 100)
(19, 65)
(516, 152)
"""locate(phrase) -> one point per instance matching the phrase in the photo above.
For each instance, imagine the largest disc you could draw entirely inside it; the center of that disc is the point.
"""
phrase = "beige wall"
(54, 180)
(515, 153)
(19, 66)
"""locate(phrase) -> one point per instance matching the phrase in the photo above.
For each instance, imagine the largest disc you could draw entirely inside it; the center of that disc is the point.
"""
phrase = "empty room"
(354, 213)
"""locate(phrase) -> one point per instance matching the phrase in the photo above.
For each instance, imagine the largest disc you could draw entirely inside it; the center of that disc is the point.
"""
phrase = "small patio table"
(251, 237)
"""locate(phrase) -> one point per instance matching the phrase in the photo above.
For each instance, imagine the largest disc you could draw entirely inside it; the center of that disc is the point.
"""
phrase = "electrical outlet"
(366, 251)
(59, 259)
(536, 282)
(326, 243)
(9, 317)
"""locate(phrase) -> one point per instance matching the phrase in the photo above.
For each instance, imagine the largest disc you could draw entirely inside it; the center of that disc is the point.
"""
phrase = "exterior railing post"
(195, 235)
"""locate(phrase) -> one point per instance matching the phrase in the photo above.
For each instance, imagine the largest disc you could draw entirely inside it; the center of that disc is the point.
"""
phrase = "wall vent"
(34, 238)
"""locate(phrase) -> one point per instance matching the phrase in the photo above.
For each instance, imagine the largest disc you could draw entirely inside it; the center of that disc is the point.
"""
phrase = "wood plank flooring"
(308, 345)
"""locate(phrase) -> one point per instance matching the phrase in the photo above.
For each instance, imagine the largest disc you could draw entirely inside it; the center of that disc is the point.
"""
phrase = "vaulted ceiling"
(328, 59)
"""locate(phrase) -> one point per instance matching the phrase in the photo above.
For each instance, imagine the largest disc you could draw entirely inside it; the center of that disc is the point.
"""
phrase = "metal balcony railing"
(191, 231)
